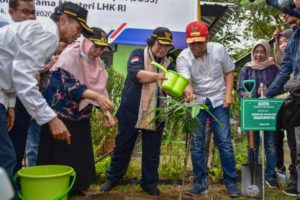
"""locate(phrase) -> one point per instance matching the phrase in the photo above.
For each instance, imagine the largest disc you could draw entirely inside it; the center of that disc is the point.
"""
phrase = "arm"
(36, 45)
(183, 69)
(284, 74)
(10, 118)
(137, 72)
(189, 93)
(229, 81)
(32, 52)
(150, 77)
(104, 102)
(240, 89)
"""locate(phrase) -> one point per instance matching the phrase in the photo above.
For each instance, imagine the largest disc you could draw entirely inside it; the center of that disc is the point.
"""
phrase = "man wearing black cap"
(139, 97)
(24, 47)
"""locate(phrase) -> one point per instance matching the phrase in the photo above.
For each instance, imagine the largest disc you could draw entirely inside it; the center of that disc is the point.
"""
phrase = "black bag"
(293, 87)
(288, 115)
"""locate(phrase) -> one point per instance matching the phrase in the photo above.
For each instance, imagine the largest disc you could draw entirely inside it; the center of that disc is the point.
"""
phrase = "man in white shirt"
(206, 64)
(24, 47)
(21, 10)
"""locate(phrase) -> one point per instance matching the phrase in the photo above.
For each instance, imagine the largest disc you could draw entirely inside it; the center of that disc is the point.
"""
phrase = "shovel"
(251, 172)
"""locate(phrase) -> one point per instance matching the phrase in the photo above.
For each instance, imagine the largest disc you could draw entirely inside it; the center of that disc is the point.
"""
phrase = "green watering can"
(175, 83)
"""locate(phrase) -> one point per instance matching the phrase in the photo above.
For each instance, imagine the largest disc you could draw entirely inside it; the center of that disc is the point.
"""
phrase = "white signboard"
(115, 16)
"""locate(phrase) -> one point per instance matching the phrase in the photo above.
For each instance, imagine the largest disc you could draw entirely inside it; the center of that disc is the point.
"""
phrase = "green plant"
(180, 117)
(104, 136)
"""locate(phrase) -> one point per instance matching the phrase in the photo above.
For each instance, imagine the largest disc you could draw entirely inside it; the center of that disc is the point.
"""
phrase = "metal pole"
(261, 132)
(199, 11)
(263, 163)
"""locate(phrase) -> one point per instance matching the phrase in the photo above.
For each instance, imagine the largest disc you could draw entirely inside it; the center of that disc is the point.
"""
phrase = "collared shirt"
(131, 95)
(207, 74)
(290, 64)
(24, 47)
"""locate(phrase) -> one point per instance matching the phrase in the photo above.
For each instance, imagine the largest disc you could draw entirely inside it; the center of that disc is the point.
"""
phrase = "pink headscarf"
(91, 73)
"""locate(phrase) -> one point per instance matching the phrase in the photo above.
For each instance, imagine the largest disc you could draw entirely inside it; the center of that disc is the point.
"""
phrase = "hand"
(160, 77)
(10, 118)
(48, 66)
(59, 131)
(189, 96)
(245, 95)
(262, 90)
(276, 32)
(104, 103)
(228, 100)
(109, 120)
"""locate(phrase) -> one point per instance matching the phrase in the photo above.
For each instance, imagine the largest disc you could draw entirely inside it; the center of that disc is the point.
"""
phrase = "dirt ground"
(168, 192)
(173, 191)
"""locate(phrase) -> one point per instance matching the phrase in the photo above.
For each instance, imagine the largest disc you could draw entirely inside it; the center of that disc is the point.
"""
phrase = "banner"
(128, 21)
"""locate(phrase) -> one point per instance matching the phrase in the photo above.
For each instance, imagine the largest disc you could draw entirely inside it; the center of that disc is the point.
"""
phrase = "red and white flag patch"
(135, 59)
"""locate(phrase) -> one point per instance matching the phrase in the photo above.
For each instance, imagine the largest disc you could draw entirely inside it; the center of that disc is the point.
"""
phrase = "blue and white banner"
(128, 21)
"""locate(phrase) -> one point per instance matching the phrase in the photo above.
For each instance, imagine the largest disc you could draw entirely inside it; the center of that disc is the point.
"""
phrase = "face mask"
(84, 56)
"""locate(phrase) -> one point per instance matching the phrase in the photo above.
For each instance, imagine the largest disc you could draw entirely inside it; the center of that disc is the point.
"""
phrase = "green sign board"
(259, 114)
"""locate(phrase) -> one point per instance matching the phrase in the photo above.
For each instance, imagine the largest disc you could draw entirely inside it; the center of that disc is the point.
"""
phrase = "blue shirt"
(131, 95)
(265, 76)
(64, 94)
(290, 64)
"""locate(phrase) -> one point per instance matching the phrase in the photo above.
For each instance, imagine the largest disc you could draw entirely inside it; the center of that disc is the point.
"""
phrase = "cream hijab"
(260, 65)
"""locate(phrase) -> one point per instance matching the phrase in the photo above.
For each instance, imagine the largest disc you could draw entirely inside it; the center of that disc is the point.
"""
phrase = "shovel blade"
(252, 189)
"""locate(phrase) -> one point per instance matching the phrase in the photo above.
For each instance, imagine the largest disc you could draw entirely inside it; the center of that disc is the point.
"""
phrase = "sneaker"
(272, 184)
(154, 191)
(291, 191)
(232, 190)
(194, 191)
(108, 185)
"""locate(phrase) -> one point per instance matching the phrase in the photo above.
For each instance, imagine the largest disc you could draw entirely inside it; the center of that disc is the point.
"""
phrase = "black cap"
(99, 37)
(74, 11)
(163, 36)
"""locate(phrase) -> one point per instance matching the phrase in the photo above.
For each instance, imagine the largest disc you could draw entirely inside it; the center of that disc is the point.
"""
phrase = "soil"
(168, 192)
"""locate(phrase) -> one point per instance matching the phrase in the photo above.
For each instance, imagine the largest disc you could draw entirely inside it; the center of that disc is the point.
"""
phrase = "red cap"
(196, 32)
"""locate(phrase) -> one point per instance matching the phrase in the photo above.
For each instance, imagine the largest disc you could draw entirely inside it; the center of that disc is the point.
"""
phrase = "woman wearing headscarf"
(78, 81)
(263, 71)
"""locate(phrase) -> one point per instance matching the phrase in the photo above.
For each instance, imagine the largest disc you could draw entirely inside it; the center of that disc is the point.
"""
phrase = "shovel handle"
(159, 66)
(251, 140)
(253, 83)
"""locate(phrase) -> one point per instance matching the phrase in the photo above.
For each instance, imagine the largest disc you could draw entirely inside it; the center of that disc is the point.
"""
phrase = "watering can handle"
(253, 82)
(159, 66)
(69, 188)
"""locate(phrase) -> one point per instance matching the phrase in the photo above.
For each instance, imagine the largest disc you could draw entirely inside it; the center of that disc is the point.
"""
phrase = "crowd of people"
(52, 77)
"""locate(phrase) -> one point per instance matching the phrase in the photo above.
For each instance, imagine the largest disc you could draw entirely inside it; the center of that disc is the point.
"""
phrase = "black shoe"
(290, 191)
(272, 184)
(108, 185)
(154, 191)
(232, 190)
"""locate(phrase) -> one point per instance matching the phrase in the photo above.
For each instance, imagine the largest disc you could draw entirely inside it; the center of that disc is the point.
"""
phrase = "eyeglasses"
(27, 12)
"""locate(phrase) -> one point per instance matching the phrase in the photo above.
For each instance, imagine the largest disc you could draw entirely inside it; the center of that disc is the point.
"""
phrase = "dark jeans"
(125, 141)
(19, 132)
(7, 151)
(270, 152)
(222, 138)
(293, 153)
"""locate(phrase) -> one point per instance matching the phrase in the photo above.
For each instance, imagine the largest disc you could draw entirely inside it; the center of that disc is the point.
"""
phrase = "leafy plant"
(103, 136)
(183, 114)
